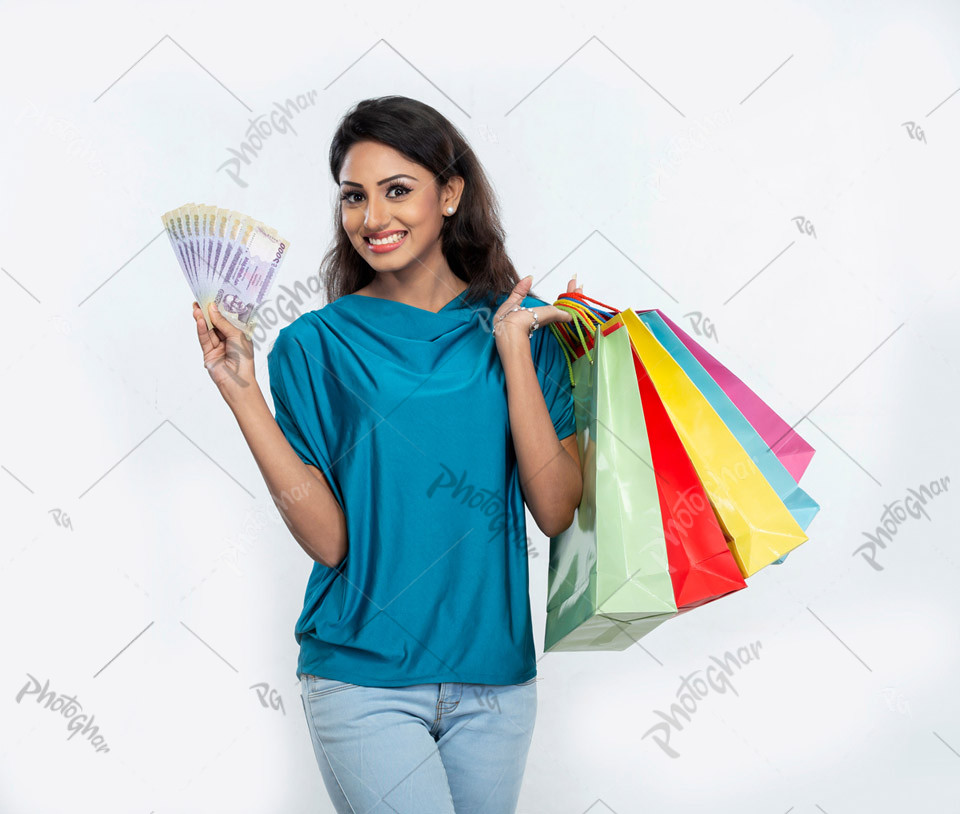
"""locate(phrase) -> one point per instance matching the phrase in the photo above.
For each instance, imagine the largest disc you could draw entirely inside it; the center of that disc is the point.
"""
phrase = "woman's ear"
(452, 192)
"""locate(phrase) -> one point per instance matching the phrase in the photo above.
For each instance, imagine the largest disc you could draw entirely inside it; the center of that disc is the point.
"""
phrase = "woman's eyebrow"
(380, 183)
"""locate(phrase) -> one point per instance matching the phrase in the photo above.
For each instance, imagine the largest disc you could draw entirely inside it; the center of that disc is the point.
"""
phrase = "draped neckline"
(457, 300)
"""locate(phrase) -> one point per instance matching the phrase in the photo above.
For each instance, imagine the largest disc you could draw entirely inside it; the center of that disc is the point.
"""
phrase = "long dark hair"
(472, 240)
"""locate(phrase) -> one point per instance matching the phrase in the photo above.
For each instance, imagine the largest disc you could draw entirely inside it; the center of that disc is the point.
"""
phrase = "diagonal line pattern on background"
(165, 421)
(421, 73)
(941, 104)
(123, 649)
(20, 284)
(615, 54)
(947, 745)
(744, 99)
(168, 37)
(832, 441)
(17, 479)
(839, 639)
(622, 253)
(734, 294)
(119, 269)
(210, 648)
(839, 383)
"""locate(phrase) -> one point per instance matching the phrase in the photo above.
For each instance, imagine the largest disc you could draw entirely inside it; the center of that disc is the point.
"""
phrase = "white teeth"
(391, 239)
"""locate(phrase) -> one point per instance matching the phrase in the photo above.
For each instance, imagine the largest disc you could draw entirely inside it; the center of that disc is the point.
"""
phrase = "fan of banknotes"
(227, 257)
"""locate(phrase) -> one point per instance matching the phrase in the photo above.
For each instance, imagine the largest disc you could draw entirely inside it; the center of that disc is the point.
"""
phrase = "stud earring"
(449, 210)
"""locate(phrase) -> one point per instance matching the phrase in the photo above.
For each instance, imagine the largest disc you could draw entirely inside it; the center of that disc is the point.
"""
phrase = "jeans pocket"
(317, 686)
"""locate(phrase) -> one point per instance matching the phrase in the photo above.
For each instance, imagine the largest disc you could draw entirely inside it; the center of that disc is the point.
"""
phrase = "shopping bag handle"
(591, 299)
(584, 315)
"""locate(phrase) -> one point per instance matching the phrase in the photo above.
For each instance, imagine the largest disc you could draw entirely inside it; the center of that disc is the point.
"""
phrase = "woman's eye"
(348, 196)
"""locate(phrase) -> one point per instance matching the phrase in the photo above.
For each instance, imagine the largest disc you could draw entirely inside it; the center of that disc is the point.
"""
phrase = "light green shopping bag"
(609, 581)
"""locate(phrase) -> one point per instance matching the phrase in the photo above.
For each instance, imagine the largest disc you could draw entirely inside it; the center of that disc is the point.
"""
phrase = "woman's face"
(383, 194)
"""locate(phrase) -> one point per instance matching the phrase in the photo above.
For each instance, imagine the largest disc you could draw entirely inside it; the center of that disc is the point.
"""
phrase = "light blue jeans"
(446, 748)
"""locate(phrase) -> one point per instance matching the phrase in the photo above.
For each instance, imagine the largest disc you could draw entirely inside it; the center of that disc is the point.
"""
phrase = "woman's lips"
(385, 247)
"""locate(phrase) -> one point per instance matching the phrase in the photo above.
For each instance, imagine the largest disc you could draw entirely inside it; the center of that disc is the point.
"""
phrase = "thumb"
(520, 289)
(219, 321)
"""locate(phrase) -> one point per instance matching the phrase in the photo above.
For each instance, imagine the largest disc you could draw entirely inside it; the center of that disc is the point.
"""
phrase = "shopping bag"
(608, 581)
(798, 502)
(702, 566)
(758, 526)
(794, 453)
(770, 434)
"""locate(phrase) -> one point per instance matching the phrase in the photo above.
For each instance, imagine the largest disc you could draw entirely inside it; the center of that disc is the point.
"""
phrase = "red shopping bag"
(702, 567)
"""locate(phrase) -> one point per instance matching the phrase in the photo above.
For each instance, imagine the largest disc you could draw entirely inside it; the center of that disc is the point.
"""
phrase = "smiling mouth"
(395, 237)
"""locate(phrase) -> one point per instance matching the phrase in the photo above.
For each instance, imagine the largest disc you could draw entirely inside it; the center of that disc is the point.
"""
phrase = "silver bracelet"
(533, 326)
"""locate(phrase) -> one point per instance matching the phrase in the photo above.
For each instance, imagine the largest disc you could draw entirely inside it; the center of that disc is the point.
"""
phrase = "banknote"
(227, 258)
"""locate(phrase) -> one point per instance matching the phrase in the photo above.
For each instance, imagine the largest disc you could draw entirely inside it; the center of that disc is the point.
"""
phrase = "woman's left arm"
(549, 469)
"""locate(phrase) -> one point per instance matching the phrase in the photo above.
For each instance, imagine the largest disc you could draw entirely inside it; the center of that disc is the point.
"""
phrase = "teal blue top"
(405, 412)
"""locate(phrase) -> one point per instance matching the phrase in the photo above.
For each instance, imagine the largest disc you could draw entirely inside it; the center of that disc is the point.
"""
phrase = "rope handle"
(584, 316)
(585, 297)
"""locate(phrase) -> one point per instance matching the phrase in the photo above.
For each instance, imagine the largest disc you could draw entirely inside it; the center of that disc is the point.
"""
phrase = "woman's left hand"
(515, 325)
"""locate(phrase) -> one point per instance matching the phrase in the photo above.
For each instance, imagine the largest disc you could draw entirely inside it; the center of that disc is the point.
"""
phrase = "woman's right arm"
(300, 492)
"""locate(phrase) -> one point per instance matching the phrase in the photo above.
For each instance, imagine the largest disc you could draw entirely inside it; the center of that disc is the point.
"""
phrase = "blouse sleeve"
(287, 364)
(554, 379)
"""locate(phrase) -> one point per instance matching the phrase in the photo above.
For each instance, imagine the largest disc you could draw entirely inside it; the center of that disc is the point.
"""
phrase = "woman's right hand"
(227, 354)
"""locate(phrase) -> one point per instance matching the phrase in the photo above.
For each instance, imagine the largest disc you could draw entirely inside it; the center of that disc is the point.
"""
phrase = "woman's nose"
(374, 217)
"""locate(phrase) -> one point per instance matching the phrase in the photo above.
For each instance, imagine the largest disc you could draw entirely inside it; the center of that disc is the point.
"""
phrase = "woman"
(414, 415)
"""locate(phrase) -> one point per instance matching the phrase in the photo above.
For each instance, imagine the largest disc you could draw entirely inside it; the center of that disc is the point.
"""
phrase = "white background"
(663, 152)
